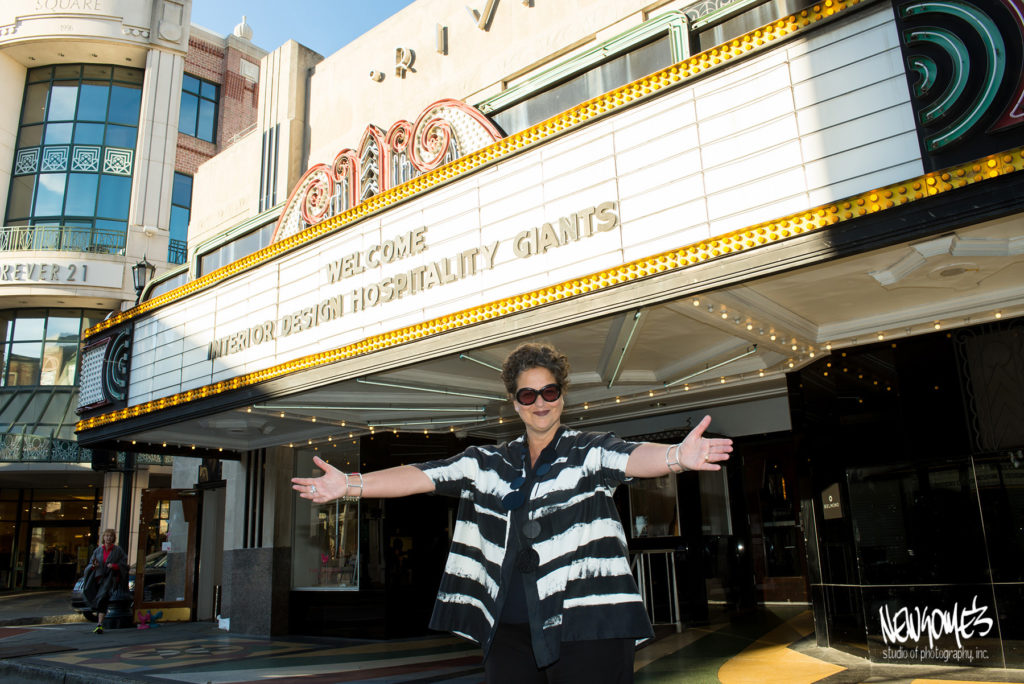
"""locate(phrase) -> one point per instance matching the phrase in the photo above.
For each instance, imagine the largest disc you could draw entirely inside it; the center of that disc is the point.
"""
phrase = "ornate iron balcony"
(62, 239)
(177, 251)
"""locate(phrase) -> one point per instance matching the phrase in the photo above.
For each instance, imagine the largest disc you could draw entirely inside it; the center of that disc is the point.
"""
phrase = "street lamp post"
(141, 273)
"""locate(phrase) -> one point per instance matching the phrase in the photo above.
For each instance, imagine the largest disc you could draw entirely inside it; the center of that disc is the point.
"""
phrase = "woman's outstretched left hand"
(327, 487)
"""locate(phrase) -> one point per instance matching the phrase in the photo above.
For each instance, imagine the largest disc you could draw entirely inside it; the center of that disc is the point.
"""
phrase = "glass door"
(57, 555)
(167, 560)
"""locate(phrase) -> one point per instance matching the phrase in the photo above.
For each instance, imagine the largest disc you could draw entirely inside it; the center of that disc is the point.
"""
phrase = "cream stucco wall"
(12, 82)
(343, 100)
(150, 209)
(104, 31)
(520, 39)
(229, 185)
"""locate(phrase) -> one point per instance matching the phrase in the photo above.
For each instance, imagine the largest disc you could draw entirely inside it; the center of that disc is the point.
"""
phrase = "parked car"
(78, 602)
(155, 571)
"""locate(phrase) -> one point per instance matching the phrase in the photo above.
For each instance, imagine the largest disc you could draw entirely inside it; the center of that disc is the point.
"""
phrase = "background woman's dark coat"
(101, 581)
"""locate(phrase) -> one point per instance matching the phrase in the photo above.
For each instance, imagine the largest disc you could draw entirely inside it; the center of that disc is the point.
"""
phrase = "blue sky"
(323, 25)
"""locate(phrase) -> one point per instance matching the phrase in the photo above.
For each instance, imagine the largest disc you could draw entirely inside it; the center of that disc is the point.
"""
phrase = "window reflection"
(50, 194)
(82, 120)
(114, 195)
(89, 133)
(92, 102)
(181, 208)
(198, 109)
(29, 325)
(905, 518)
(325, 554)
(58, 134)
(62, 102)
(35, 103)
(97, 71)
(30, 136)
(66, 71)
(120, 136)
(189, 111)
(20, 201)
(81, 194)
(1001, 492)
(124, 105)
(40, 347)
(23, 364)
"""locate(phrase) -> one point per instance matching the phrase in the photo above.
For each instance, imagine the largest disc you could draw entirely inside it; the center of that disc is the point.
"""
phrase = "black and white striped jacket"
(584, 588)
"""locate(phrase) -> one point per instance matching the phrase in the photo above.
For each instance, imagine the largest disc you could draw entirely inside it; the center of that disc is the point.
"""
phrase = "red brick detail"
(237, 105)
(191, 153)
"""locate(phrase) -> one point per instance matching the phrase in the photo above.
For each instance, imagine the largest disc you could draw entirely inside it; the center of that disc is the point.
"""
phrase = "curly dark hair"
(530, 355)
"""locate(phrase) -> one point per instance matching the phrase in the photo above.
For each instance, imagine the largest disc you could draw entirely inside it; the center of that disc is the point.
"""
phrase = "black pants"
(601, 661)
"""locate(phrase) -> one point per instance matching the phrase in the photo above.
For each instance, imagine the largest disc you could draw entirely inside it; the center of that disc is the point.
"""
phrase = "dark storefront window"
(63, 504)
(912, 518)
(198, 113)
(46, 535)
(74, 159)
(9, 515)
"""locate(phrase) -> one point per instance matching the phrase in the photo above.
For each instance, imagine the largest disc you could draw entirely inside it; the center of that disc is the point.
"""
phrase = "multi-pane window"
(167, 284)
(198, 114)
(638, 62)
(236, 249)
(181, 208)
(74, 156)
(732, 18)
(40, 346)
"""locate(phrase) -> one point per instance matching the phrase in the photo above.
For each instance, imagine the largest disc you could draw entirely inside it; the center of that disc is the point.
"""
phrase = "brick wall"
(236, 108)
(238, 98)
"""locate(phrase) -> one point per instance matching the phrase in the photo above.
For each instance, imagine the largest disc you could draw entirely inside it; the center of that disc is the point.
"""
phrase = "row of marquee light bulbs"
(803, 353)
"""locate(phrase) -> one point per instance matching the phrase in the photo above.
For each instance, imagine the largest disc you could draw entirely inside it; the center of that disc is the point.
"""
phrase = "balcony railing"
(177, 251)
(62, 239)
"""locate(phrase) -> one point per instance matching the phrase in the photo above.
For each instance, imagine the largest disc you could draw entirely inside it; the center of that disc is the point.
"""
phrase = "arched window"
(74, 158)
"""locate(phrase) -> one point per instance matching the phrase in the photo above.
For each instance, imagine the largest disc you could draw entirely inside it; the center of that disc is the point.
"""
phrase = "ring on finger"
(312, 489)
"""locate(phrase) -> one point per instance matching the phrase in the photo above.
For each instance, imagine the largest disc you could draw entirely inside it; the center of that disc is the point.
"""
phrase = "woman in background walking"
(109, 568)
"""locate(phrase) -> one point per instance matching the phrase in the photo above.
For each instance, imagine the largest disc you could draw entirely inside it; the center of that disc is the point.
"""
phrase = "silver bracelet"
(673, 465)
(348, 485)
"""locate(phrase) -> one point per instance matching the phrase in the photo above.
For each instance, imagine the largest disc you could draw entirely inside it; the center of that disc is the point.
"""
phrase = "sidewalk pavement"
(773, 646)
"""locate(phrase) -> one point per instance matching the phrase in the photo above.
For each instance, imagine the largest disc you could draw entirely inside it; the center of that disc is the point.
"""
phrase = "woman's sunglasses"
(528, 395)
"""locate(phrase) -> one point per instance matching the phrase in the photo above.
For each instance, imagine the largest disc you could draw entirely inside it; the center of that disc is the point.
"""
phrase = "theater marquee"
(421, 276)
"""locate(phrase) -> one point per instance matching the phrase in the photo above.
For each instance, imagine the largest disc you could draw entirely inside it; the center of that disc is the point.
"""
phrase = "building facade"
(111, 107)
(803, 219)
